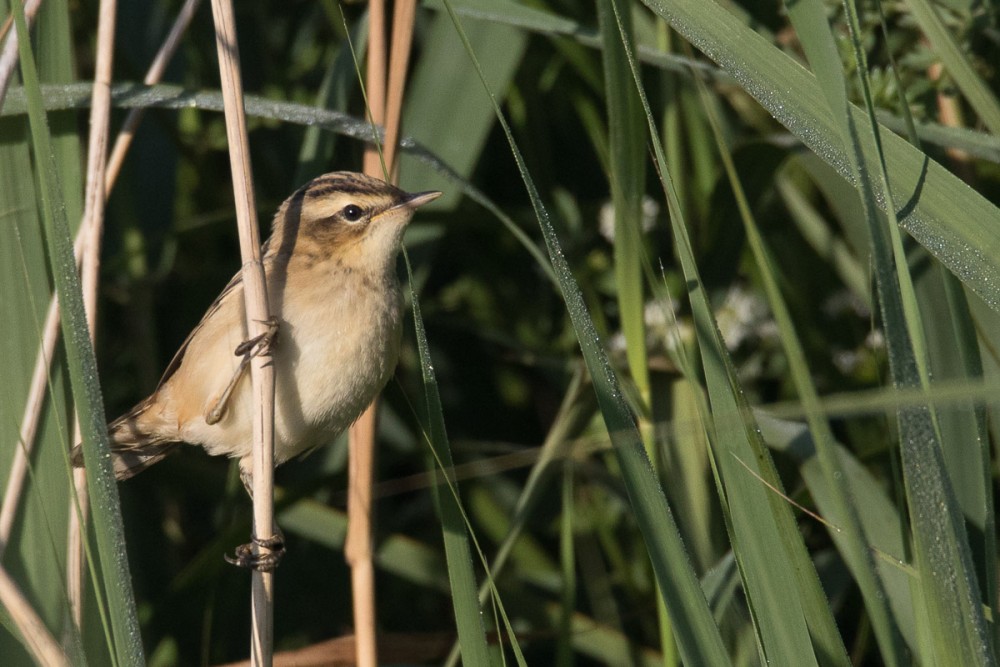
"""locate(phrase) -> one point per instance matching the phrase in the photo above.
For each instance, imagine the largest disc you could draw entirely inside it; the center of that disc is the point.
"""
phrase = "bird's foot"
(262, 555)
(262, 344)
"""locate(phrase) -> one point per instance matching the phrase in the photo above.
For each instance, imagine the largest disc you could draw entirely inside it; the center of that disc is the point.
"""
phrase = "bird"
(336, 306)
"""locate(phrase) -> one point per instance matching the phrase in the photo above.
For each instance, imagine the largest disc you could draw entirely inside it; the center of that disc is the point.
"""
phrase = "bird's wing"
(237, 281)
(175, 363)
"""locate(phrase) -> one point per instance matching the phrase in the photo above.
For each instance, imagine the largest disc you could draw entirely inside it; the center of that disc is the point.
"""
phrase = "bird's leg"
(248, 555)
(262, 344)
(248, 349)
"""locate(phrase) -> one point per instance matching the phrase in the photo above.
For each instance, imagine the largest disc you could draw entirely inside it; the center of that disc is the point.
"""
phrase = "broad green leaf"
(443, 72)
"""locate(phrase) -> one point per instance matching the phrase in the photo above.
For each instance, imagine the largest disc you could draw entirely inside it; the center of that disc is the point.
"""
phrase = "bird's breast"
(337, 347)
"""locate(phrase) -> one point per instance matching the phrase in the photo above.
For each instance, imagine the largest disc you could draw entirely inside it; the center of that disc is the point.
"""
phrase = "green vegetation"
(713, 353)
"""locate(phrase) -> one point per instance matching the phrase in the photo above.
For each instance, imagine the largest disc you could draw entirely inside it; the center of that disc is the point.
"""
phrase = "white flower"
(743, 315)
(606, 217)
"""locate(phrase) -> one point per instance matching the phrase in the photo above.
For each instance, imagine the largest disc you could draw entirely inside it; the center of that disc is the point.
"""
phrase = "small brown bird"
(331, 277)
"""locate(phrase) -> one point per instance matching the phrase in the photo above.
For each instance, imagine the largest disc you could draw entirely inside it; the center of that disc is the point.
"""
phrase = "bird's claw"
(249, 555)
(260, 345)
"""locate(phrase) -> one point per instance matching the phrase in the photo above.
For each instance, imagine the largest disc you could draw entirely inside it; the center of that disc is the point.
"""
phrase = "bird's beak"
(418, 199)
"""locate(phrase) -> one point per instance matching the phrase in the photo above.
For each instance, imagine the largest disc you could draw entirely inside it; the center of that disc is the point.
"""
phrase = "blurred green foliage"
(504, 350)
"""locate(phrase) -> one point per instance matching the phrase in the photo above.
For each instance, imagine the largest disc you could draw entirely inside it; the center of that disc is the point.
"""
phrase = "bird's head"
(346, 215)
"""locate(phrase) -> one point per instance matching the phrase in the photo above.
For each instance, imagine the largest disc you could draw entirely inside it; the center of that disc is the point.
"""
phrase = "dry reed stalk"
(361, 435)
(358, 543)
(404, 15)
(375, 81)
(34, 633)
(384, 109)
(153, 76)
(50, 330)
(257, 316)
(8, 57)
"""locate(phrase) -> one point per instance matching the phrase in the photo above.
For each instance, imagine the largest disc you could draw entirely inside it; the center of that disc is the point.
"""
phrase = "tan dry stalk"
(8, 57)
(37, 640)
(153, 76)
(358, 549)
(375, 81)
(257, 316)
(50, 331)
(361, 435)
(402, 39)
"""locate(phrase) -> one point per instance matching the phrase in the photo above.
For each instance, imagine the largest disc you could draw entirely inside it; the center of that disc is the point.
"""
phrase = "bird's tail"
(133, 448)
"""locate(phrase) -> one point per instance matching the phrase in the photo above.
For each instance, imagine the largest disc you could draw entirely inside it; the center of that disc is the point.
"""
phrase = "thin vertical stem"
(50, 331)
(257, 316)
(402, 38)
(375, 79)
(361, 437)
(93, 226)
(153, 76)
(358, 543)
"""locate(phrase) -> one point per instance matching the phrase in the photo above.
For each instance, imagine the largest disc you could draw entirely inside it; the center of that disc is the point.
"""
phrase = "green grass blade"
(35, 554)
(697, 634)
(24, 293)
(880, 519)
(465, 599)
(627, 176)
(946, 216)
(953, 349)
(793, 629)
(955, 618)
(106, 510)
(855, 542)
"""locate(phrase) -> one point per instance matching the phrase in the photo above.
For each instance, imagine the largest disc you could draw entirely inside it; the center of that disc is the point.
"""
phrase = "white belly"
(330, 362)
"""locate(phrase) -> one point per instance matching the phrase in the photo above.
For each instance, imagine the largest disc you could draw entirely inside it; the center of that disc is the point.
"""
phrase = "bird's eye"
(352, 213)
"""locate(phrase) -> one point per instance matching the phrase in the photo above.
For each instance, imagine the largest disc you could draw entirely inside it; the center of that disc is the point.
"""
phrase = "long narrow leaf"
(697, 635)
(944, 214)
(465, 599)
(793, 628)
(82, 371)
(955, 619)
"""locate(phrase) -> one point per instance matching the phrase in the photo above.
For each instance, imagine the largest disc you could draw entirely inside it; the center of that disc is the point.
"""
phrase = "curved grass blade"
(955, 625)
(855, 543)
(695, 629)
(945, 215)
(128, 96)
(82, 366)
(465, 598)
(795, 626)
